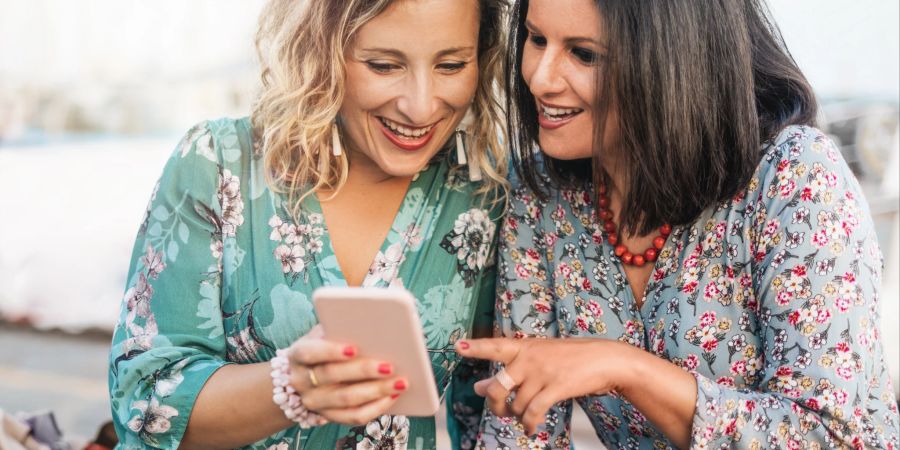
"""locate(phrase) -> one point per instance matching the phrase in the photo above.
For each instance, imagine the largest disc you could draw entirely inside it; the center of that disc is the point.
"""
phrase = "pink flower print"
(153, 417)
(550, 239)
(541, 306)
(739, 367)
(292, 234)
(823, 315)
(594, 308)
(689, 287)
(820, 238)
(275, 223)
(787, 189)
(707, 318)
(842, 304)
(229, 195)
(725, 381)
(291, 258)
(691, 362)
(783, 297)
(521, 272)
(711, 291)
(153, 262)
(512, 224)
(771, 228)
(137, 298)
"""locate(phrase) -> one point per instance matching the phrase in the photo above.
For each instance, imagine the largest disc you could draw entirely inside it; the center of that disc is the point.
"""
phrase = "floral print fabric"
(222, 274)
(769, 299)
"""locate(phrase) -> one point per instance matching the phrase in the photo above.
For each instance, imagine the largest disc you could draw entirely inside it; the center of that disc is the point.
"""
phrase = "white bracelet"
(284, 395)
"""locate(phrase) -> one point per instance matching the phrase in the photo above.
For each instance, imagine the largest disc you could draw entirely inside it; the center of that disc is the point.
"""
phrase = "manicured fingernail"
(394, 396)
(385, 369)
(464, 345)
(349, 350)
(400, 385)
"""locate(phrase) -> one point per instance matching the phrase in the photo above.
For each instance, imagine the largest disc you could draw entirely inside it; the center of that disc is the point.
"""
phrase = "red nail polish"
(394, 396)
(385, 369)
(400, 385)
(349, 350)
(464, 345)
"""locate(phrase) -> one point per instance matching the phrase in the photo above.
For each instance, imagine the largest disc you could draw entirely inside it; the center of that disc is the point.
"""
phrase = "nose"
(547, 78)
(418, 101)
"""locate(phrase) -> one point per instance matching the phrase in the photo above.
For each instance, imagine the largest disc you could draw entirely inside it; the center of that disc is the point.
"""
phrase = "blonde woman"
(348, 173)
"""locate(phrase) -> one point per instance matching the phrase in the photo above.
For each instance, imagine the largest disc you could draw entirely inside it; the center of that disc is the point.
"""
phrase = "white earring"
(460, 147)
(336, 149)
(461, 150)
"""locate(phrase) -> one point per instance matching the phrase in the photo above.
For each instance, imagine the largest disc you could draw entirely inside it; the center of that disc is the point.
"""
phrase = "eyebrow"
(398, 54)
(569, 40)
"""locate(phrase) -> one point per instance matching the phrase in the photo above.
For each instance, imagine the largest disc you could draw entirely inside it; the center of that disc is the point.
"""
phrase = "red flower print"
(708, 318)
(709, 345)
(784, 371)
(541, 307)
(806, 194)
(581, 323)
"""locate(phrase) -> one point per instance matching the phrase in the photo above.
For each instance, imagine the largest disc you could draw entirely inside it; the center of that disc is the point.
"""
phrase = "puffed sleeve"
(817, 271)
(525, 307)
(169, 338)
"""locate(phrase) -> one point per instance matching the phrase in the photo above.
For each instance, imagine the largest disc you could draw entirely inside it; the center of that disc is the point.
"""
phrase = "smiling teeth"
(406, 132)
(557, 113)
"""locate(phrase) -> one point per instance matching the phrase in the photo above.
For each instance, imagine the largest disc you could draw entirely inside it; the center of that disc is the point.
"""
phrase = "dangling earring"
(336, 148)
(461, 150)
(460, 147)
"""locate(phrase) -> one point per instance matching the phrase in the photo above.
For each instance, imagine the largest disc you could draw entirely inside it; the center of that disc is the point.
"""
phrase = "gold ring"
(313, 380)
(505, 380)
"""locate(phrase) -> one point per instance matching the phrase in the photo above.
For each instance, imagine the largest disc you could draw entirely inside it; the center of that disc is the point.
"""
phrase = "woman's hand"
(543, 372)
(338, 385)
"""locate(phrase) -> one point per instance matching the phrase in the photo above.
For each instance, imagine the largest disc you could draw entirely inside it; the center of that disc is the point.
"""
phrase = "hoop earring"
(336, 148)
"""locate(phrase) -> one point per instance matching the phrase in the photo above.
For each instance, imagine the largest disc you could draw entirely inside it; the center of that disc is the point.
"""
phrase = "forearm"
(663, 392)
(234, 409)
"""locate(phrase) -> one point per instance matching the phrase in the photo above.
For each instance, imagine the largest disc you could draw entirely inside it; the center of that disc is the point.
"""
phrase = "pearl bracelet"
(284, 395)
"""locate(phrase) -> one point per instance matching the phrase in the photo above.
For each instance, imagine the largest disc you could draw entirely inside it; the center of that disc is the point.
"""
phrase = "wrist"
(630, 368)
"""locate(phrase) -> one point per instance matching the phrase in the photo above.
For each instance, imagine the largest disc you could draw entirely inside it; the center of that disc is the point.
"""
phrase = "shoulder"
(218, 141)
(798, 153)
(804, 181)
(208, 151)
(802, 165)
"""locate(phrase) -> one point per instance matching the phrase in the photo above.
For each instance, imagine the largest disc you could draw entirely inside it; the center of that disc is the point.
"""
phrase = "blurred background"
(95, 94)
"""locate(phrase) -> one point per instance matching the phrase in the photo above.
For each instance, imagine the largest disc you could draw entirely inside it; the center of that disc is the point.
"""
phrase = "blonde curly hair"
(301, 45)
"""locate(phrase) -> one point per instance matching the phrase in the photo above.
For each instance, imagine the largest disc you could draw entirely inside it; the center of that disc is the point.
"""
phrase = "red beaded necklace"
(628, 258)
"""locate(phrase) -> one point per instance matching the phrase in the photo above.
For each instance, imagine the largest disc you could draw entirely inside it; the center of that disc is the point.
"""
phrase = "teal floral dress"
(221, 274)
(769, 299)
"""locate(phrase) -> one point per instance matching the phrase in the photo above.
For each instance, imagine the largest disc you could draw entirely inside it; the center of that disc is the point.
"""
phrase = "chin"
(562, 149)
(396, 167)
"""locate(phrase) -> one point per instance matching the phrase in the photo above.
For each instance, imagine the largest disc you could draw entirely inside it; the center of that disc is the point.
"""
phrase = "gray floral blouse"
(769, 299)
(221, 274)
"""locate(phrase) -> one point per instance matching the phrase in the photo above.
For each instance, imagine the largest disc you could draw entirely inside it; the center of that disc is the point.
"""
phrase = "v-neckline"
(620, 268)
(314, 206)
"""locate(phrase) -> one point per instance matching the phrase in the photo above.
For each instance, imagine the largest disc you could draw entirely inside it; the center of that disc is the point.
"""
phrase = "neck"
(615, 188)
(363, 171)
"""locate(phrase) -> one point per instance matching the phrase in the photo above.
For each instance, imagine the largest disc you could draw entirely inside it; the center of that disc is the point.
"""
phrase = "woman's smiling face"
(560, 63)
(412, 73)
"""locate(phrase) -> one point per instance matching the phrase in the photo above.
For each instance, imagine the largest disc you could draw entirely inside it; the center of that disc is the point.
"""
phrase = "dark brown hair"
(698, 87)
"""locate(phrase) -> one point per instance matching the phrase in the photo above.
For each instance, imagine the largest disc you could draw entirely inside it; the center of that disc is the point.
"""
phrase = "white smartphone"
(383, 323)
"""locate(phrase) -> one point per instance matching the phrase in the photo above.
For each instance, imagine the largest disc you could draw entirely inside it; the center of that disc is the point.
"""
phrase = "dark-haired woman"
(685, 220)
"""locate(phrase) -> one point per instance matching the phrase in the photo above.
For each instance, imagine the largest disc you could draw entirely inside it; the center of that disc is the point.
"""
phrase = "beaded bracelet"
(284, 395)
